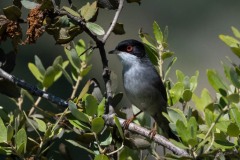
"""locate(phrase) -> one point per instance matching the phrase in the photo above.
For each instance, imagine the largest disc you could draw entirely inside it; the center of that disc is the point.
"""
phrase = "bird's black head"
(130, 46)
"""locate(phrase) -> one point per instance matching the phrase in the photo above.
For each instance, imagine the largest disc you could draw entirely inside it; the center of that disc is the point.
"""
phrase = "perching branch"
(109, 120)
(33, 89)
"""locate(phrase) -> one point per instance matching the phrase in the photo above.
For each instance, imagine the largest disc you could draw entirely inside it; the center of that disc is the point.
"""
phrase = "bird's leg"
(128, 121)
(153, 131)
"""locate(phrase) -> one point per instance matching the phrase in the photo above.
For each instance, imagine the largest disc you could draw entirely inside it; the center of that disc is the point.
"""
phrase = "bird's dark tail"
(163, 123)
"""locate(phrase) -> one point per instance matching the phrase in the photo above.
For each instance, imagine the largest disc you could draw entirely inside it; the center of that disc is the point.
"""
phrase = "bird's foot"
(127, 122)
(153, 131)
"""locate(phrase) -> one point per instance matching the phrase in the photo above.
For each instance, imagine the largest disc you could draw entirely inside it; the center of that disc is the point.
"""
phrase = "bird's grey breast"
(140, 86)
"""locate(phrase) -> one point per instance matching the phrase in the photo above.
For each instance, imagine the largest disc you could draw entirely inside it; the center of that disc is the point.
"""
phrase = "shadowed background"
(194, 27)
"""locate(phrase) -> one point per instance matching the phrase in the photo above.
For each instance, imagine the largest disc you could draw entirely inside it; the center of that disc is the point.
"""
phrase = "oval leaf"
(97, 124)
(95, 28)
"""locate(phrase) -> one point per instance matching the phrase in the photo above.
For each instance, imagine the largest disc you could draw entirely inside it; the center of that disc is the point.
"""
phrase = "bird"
(142, 83)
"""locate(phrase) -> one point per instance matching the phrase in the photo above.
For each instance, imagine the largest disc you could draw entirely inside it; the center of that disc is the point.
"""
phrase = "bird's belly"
(141, 97)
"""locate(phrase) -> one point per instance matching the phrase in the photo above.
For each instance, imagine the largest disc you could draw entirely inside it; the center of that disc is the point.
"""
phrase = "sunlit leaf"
(37, 74)
(176, 93)
(21, 140)
(49, 77)
(230, 41)
(71, 11)
(89, 11)
(157, 33)
(235, 32)
(101, 157)
(3, 132)
(216, 82)
(41, 124)
(95, 28)
(101, 107)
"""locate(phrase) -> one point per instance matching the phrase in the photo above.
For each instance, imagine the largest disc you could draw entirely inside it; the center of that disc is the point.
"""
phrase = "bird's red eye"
(129, 48)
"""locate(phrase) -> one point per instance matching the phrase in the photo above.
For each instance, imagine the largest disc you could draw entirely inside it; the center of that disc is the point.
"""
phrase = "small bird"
(142, 83)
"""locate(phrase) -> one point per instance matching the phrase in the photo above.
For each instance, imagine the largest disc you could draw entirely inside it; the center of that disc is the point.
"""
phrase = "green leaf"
(174, 59)
(235, 32)
(80, 48)
(88, 12)
(233, 98)
(21, 141)
(105, 138)
(235, 115)
(152, 54)
(223, 144)
(39, 65)
(78, 124)
(73, 58)
(223, 125)
(157, 33)
(166, 55)
(180, 76)
(193, 81)
(86, 70)
(71, 11)
(216, 82)
(209, 117)
(230, 41)
(117, 98)
(67, 76)
(101, 107)
(129, 154)
(235, 78)
(118, 29)
(3, 132)
(49, 77)
(203, 101)
(10, 132)
(29, 5)
(80, 146)
(119, 127)
(91, 104)
(181, 130)
(37, 74)
(236, 51)
(233, 130)
(187, 95)
(76, 113)
(97, 125)
(95, 28)
(12, 12)
(176, 114)
(176, 93)
(84, 90)
(41, 124)
(101, 157)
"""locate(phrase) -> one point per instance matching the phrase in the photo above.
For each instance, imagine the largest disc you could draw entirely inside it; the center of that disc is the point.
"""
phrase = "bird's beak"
(113, 52)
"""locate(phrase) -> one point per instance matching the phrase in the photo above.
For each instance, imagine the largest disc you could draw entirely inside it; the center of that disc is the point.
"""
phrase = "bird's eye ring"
(129, 48)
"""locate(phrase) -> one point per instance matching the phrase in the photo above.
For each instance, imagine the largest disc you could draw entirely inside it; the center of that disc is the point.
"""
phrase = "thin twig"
(114, 21)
